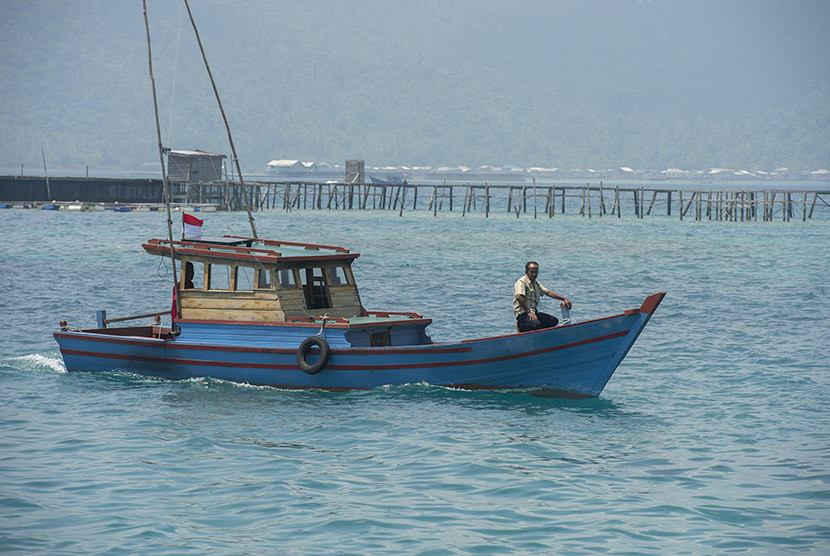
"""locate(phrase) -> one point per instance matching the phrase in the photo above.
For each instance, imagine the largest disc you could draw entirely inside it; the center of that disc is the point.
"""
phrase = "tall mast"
(227, 127)
(164, 181)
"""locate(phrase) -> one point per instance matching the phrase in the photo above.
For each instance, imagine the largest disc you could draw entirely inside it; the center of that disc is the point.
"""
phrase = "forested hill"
(570, 84)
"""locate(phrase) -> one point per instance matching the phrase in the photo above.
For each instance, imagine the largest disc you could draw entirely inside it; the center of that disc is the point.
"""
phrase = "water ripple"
(710, 438)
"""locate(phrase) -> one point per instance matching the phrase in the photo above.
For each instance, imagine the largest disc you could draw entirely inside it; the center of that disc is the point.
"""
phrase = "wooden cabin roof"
(246, 249)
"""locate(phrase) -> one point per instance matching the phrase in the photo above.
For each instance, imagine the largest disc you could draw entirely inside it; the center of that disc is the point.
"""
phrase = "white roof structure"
(283, 163)
(195, 152)
(541, 169)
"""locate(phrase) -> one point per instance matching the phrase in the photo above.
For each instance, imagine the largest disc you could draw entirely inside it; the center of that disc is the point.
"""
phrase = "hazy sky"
(613, 82)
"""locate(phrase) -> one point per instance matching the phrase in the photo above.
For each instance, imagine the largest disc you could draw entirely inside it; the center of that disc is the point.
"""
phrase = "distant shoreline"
(799, 180)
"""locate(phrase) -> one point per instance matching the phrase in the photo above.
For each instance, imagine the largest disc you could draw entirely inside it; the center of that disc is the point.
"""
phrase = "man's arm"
(523, 304)
(562, 298)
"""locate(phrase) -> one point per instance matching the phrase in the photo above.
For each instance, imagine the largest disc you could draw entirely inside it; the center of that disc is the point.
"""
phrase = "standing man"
(526, 295)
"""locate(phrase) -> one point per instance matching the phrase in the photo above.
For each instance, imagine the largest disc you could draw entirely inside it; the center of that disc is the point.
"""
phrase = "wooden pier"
(89, 192)
(590, 201)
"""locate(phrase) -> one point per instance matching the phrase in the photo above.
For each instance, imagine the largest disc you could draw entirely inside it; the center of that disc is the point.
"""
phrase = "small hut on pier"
(194, 166)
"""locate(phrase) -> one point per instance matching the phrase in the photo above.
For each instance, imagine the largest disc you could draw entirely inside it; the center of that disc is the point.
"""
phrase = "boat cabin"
(247, 280)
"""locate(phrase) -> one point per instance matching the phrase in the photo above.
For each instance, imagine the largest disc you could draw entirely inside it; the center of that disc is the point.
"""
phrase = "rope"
(225, 119)
(165, 183)
(323, 324)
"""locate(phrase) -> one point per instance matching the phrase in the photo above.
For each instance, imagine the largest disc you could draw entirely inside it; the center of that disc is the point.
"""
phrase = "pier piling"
(698, 205)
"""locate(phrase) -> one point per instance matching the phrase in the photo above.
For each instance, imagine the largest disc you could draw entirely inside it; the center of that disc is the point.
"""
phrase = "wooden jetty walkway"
(548, 200)
(589, 200)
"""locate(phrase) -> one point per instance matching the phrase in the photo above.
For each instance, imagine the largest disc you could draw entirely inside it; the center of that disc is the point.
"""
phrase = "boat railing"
(103, 321)
(387, 314)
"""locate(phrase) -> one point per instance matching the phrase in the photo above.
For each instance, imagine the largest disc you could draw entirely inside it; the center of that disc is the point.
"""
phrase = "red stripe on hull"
(361, 351)
(200, 362)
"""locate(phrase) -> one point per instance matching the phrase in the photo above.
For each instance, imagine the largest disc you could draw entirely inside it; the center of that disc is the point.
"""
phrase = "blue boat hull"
(578, 359)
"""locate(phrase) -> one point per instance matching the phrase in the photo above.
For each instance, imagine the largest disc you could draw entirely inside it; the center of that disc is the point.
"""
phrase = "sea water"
(712, 437)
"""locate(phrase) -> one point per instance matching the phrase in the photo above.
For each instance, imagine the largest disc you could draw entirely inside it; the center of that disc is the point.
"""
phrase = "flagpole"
(164, 181)
(225, 119)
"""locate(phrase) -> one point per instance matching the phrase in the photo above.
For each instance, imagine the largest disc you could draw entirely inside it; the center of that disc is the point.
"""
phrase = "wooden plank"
(601, 200)
(403, 199)
(534, 198)
(689, 204)
(344, 296)
(239, 304)
(464, 206)
(234, 315)
(651, 204)
(588, 198)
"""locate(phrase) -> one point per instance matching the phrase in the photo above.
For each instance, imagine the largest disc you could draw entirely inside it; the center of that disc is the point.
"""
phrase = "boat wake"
(38, 362)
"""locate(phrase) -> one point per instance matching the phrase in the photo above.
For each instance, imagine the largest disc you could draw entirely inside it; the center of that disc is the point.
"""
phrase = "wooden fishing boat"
(289, 315)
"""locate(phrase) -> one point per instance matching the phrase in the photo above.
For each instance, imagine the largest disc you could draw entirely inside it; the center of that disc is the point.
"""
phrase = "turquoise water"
(712, 437)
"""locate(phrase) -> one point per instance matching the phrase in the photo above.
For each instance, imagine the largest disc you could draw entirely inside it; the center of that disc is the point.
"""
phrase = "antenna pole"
(227, 127)
(164, 181)
(45, 172)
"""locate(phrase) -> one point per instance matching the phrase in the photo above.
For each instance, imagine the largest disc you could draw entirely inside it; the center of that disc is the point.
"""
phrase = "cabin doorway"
(315, 288)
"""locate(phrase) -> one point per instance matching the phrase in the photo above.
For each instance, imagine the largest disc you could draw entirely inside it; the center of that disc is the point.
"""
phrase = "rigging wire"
(165, 183)
(175, 74)
(245, 194)
(354, 265)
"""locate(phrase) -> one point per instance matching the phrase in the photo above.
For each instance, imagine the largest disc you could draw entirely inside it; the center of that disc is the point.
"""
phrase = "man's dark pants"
(543, 320)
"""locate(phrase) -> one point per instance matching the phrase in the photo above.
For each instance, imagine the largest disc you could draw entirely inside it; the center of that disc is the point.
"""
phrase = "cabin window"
(244, 278)
(287, 279)
(264, 279)
(315, 288)
(337, 276)
(193, 276)
(220, 277)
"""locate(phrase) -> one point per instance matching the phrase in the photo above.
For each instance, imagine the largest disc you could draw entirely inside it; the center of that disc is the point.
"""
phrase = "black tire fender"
(322, 361)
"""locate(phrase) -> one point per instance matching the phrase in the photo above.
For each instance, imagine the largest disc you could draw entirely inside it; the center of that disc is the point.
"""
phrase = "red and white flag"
(191, 226)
